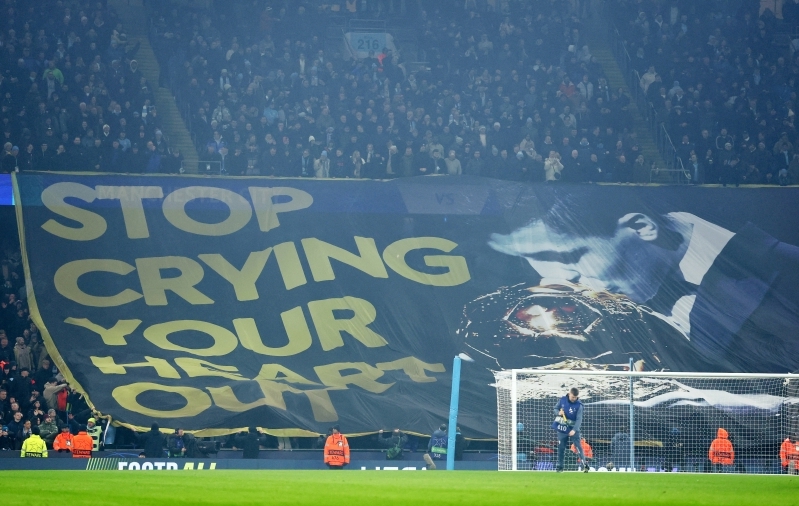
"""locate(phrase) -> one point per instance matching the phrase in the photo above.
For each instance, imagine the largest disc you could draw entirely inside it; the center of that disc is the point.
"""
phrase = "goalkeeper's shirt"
(572, 410)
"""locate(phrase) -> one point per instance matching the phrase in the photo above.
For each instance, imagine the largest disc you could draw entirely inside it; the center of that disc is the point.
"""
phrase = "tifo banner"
(221, 303)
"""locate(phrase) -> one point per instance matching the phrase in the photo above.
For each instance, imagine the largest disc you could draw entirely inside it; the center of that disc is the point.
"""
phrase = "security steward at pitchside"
(337, 449)
(82, 445)
(34, 446)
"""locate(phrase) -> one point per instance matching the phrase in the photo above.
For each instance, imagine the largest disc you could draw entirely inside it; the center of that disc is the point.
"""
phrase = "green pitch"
(379, 488)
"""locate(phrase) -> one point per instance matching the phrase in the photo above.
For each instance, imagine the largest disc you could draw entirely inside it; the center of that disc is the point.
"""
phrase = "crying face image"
(567, 325)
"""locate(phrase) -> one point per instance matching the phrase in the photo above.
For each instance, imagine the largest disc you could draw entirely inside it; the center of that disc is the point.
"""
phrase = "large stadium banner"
(292, 304)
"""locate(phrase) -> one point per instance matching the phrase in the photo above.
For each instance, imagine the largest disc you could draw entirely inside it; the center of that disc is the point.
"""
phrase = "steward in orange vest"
(63, 441)
(82, 445)
(337, 450)
(789, 455)
(587, 450)
(721, 451)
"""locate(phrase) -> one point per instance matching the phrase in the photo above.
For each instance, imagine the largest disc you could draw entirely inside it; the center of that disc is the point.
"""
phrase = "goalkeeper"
(569, 413)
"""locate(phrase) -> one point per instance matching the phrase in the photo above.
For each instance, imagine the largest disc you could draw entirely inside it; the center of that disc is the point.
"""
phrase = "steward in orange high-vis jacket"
(82, 445)
(789, 456)
(587, 450)
(63, 442)
(337, 450)
(721, 452)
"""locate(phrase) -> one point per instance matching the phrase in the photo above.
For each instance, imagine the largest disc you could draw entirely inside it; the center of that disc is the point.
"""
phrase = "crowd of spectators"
(510, 90)
(33, 392)
(722, 76)
(72, 96)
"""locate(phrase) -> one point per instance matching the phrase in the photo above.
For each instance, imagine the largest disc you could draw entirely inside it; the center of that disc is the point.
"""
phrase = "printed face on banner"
(626, 261)
(292, 304)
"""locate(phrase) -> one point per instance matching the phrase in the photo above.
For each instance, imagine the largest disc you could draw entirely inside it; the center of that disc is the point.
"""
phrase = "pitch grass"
(379, 488)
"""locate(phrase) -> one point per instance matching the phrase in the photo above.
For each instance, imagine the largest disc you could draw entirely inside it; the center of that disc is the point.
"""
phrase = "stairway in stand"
(131, 13)
(599, 45)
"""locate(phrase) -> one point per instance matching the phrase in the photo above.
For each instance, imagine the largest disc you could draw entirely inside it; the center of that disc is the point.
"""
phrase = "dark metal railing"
(657, 126)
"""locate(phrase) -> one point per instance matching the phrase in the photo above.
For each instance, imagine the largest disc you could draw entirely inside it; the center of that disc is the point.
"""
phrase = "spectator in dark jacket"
(181, 444)
(153, 442)
(250, 443)
(395, 442)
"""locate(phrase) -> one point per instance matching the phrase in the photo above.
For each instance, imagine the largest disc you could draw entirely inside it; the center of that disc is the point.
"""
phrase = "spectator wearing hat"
(95, 432)
(48, 429)
(322, 166)
(6, 441)
(63, 441)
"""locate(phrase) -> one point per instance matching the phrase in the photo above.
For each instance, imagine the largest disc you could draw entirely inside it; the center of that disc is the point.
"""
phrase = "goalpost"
(648, 421)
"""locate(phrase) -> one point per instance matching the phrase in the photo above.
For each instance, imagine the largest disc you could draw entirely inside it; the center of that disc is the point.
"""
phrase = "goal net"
(649, 421)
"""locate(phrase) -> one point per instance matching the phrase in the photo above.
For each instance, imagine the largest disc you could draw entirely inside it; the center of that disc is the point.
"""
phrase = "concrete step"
(600, 48)
(132, 15)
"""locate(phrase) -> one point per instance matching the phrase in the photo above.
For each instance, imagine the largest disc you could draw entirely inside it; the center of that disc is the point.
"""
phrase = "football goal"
(649, 421)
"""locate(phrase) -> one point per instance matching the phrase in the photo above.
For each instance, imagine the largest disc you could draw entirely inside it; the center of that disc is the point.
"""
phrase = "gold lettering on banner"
(174, 208)
(154, 287)
(321, 405)
(225, 398)
(267, 210)
(107, 365)
(115, 336)
(243, 280)
(329, 328)
(366, 377)
(225, 341)
(457, 272)
(196, 368)
(299, 335)
(288, 260)
(67, 276)
(54, 198)
(319, 254)
(274, 380)
(414, 368)
(278, 372)
(196, 400)
(130, 200)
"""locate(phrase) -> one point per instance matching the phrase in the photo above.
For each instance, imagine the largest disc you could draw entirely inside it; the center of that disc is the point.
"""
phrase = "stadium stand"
(514, 84)
(74, 98)
(504, 89)
(718, 82)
